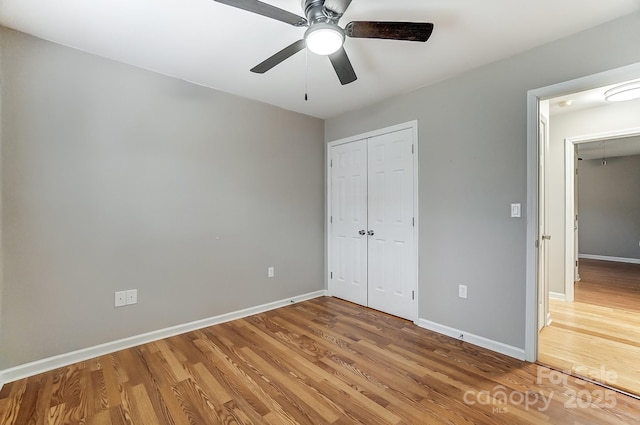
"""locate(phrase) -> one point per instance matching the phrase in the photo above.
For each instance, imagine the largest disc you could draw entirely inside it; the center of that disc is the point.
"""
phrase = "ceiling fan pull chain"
(306, 75)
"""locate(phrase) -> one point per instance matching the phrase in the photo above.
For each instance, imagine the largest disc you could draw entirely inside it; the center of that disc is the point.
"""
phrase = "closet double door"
(372, 258)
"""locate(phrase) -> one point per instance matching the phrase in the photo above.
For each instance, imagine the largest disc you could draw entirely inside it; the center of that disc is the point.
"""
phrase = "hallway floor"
(598, 335)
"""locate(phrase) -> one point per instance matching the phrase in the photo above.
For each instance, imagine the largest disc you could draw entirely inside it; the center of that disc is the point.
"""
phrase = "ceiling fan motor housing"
(315, 12)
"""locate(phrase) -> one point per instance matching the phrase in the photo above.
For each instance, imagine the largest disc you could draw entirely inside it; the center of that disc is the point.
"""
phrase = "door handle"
(546, 237)
(362, 233)
(370, 233)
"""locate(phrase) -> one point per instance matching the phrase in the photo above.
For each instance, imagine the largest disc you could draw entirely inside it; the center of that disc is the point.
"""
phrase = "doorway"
(569, 315)
(534, 98)
(596, 333)
(372, 212)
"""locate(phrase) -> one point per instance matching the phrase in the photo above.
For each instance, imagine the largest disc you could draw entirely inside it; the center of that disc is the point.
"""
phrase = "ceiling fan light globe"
(324, 40)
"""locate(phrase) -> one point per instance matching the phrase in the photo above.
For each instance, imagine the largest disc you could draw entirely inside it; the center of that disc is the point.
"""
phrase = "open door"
(543, 225)
(576, 271)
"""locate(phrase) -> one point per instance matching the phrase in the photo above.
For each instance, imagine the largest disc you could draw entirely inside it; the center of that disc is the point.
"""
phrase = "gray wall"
(609, 207)
(472, 140)
(117, 178)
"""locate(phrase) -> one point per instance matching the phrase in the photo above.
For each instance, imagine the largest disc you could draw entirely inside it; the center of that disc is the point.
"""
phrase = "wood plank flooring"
(600, 331)
(323, 361)
(609, 284)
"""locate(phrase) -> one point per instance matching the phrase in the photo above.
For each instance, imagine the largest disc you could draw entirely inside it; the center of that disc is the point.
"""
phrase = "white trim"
(412, 125)
(327, 217)
(409, 124)
(607, 258)
(61, 360)
(569, 221)
(570, 143)
(416, 203)
(625, 73)
(480, 341)
(531, 262)
(557, 296)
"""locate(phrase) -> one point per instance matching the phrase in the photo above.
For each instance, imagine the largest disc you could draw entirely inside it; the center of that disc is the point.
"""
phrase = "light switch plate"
(516, 211)
(462, 291)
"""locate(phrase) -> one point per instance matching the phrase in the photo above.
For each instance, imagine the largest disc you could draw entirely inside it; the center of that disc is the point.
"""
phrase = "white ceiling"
(584, 100)
(595, 98)
(215, 45)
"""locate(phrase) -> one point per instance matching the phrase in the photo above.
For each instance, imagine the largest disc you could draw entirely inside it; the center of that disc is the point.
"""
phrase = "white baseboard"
(557, 296)
(61, 360)
(480, 341)
(606, 258)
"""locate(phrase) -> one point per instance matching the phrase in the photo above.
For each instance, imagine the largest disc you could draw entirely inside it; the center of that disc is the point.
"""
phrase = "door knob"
(370, 233)
(362, 232)
(546, 237)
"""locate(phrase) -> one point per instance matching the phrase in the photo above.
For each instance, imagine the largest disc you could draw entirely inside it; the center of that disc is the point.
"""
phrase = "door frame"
(570, 144)
(534, 97)
(411, 125)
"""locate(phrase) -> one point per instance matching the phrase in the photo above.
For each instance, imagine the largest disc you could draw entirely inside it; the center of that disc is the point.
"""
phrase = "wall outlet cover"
(120, 298)
(132, 296)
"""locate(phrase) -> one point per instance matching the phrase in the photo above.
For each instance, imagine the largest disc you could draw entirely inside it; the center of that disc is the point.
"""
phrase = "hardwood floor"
(323, 361)
(609, 284)
(600, 331)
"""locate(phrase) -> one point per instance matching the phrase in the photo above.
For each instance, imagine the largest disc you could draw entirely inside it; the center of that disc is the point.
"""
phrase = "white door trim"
(412, 125)
(533, 99)
(570, 144)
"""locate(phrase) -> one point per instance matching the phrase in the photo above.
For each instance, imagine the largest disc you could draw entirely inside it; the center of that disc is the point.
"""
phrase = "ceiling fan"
(325, 37)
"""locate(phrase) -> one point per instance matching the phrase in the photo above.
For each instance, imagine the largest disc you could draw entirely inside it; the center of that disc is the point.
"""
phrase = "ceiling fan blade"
(281, 56)
(343, 67)
(338, 7)
(267, 10)
(410, 31)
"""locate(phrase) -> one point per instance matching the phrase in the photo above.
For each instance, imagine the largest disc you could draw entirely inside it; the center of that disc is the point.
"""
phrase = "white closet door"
(391, 262)
(349, 222)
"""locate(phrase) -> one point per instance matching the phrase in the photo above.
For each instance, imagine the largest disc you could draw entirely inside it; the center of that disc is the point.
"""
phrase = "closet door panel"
(390, 217)
(349, 222)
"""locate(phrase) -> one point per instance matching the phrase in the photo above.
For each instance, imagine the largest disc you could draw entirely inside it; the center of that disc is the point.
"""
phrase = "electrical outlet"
(121, 298)
(271, 272)
(132, 296)
(462, 291)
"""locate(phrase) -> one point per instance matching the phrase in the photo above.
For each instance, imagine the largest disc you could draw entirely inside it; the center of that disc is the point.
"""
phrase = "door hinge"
(537, 243)
(414, 222)
(412, 151)
(413, 295)
(576, 171)
(331, 219)
(576, 264)
(331, 275)
(331, 164)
